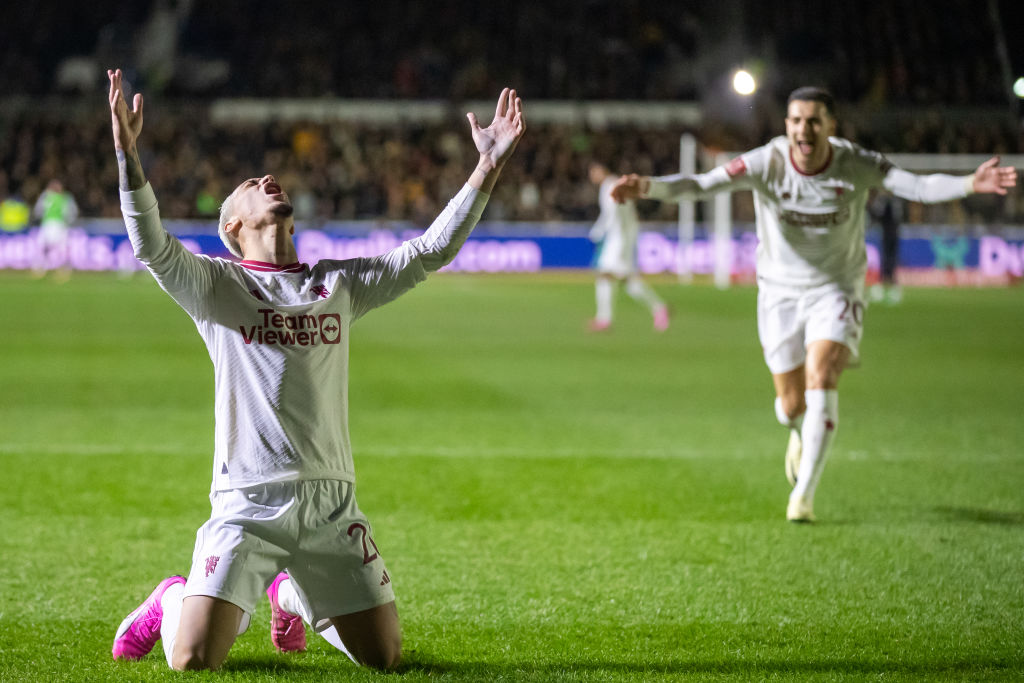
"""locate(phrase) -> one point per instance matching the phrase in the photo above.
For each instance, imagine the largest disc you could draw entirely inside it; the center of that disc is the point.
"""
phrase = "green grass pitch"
(552, 505)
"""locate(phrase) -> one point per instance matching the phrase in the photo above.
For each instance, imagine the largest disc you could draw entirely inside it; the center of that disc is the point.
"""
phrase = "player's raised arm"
(991, 178)
(497, 141)
(126, 125)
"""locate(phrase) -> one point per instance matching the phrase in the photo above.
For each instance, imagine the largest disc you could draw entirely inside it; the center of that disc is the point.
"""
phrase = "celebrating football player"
(284, 517)
(810, 192)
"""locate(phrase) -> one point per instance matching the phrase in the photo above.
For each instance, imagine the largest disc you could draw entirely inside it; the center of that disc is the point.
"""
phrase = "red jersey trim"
(828, 162)
(264, 267)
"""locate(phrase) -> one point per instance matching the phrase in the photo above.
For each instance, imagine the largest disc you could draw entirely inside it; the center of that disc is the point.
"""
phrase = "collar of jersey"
(828, 162)
(264, 267)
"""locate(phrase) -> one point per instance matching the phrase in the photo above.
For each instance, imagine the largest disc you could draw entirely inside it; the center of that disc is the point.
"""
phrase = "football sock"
(170, 602)
(819, 429)
(330, 634)
(604, 291)
(290, 601)
(640, 291)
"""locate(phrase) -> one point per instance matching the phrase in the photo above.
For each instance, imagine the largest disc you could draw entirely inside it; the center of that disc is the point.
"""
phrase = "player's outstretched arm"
(991, 178)
(497, 141)
(126, 125)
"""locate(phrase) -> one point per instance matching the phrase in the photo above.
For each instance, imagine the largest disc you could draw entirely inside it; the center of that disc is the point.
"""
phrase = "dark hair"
(809, 93)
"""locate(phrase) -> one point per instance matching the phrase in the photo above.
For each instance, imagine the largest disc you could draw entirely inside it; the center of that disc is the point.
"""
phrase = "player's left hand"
(126, 123)
(497, 141)
(992, 178)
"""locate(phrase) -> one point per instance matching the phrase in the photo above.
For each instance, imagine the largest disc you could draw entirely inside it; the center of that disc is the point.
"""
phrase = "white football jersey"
(278, 338)
(616, 229)
(810, 227)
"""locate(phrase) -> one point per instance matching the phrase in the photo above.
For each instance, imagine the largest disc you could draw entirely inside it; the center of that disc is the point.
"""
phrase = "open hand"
(629, 187)
(497, 141)
(126, 124)
(992, 178)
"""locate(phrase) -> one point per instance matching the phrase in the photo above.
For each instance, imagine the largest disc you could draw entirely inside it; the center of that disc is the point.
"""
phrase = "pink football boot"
(287, 632)
(140, 630)
(661, 319)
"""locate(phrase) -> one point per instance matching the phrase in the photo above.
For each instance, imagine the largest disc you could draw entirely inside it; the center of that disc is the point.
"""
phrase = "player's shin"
(819, 429)
(604, 291)
(171, 604)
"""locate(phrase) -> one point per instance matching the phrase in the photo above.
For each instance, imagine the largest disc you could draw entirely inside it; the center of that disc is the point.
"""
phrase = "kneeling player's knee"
(188, 661)
(385, 656)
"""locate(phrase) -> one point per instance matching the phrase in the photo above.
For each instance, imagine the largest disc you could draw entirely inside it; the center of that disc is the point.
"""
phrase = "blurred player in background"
(56, 210)
(810, 192)
(283, 492)
(615, 232)
(888, 211)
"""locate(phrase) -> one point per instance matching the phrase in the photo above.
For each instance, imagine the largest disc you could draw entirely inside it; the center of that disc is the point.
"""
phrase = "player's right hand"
(126, 123)
(628, 187)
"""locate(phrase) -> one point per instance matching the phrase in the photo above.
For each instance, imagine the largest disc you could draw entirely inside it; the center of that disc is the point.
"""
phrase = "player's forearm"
(485, 175)
(928, 189)
(674, 188)
(440, 243)
(129, 170)
(142, 221)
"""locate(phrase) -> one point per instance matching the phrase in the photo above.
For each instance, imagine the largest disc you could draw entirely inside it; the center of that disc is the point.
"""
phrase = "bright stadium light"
(743, 82)
(1018, 87)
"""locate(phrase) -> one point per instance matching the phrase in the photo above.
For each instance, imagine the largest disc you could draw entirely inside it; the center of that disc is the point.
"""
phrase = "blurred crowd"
(877, 58)
(900, 51)
(343, 171)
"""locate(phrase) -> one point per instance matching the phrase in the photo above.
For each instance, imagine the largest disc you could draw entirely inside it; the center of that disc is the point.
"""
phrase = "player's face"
(808, 126)
(259, 199)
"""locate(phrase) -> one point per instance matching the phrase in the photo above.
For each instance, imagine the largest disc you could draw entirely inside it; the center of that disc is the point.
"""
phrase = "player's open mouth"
(805, 147)
(272, 189)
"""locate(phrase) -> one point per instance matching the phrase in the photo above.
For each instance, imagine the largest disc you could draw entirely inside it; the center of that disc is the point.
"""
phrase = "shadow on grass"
(416, 666)
(943, 513)
(980, 515)
(744, 670)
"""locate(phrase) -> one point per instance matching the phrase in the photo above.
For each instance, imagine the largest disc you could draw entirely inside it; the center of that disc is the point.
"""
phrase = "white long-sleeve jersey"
(810, 228)
(278, 338)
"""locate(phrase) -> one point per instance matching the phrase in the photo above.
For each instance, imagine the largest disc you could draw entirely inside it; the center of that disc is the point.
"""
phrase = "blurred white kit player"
(615, 233)
(283, 491)
(810, 194)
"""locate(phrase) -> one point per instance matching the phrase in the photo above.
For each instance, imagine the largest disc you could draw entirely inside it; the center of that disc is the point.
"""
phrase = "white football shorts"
(312, 529)
(788, 320)
(615, 257)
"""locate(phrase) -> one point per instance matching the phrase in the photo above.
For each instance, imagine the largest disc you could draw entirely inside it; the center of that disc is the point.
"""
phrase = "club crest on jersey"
(277, 329)
(211, 564)
(320, 291)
